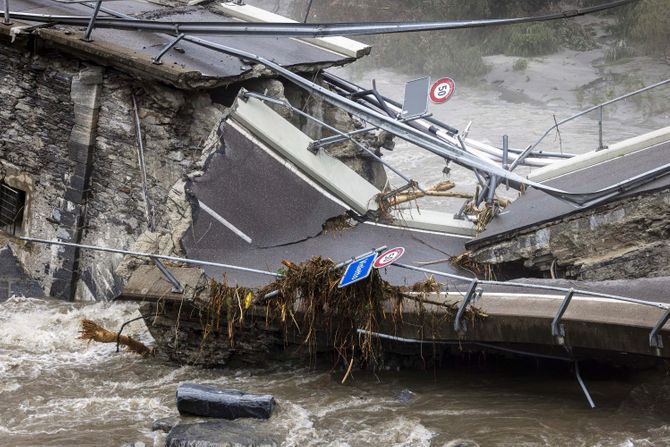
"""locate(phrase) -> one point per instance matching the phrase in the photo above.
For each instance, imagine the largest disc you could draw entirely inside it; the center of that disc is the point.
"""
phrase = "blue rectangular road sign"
(358, 270)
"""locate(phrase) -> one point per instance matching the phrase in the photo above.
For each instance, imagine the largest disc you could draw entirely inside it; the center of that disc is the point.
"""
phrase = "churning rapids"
(56, 390)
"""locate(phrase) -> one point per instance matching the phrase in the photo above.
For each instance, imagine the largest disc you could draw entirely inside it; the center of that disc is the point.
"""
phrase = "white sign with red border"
(442, 90)
(388, 257)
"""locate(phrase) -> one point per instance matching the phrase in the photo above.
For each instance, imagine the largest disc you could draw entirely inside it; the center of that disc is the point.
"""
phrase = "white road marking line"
(227, 224)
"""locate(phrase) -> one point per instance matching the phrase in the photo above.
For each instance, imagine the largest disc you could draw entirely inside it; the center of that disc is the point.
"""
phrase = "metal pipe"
(600, 129)
(149, 255)
(505, 149)
(301, 30)
(583, 386)
(464, 342)
(143, 168)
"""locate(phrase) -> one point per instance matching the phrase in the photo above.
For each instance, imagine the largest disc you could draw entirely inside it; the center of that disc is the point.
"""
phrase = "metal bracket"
(176, 285)
(557, 329)
(655, 339)
(460, 326)
(91, 23)
(348, 135)
(157, 60)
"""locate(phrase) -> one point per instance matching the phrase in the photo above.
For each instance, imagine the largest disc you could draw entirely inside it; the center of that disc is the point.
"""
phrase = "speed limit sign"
(388, 257)
(442, 90)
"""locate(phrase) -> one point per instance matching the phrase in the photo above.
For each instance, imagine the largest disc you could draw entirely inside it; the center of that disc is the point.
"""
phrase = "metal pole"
(505, 155)
(309, 7)
(600, 129)
(143, 168)
(7, 21)
(89, 28)
(583, 386)
(149, 255)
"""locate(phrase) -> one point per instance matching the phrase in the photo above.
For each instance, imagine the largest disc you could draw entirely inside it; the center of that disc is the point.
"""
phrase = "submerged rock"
(405, 395)
(218, 434)
(165, 424)
(461, 443)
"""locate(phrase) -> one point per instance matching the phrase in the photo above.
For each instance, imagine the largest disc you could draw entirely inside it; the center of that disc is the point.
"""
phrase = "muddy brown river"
(57, 390)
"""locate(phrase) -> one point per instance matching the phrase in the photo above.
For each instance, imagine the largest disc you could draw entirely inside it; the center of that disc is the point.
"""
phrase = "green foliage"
(645, 26)
(535, 39)
(520, 65)
(618, 52)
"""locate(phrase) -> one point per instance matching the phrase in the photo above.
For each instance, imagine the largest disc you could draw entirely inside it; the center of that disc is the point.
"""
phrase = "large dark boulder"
(209, 401)
(218, 434)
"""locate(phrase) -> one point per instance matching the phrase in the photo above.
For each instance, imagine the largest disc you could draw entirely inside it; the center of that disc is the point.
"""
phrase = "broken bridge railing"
(599, 107)
(557, 329)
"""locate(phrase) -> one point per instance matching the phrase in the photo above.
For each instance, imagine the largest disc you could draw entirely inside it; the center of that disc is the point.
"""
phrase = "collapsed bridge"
(173, 145)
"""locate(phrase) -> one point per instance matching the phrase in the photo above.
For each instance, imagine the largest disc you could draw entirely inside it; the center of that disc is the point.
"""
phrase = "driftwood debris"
(438, 190)
(90, 330)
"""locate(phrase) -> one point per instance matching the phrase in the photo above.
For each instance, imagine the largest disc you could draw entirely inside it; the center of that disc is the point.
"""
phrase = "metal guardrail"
(557, 330)
(598, 107)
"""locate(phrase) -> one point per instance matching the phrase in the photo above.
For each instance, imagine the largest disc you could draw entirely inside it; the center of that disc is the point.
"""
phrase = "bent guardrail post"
(157, 60)
(6, 20)
(655, 339)
(583, 386)
(460, 326)
(91, 23)
(176, 285)
(557, 329)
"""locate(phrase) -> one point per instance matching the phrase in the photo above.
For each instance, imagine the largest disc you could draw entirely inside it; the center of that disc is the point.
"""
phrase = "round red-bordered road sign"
(388, 257)
(442, 90)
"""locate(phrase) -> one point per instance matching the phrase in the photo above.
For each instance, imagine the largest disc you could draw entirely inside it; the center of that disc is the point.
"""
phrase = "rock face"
(218, 434)
(13, 280)
(624, 239)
